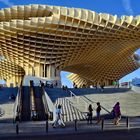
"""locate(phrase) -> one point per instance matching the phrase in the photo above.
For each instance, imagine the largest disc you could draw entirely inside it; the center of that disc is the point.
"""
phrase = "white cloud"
(7, 2)
(127, 6)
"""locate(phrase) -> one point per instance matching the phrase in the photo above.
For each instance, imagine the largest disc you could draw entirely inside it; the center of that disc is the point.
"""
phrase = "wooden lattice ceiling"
(94, 46)
(9, 69)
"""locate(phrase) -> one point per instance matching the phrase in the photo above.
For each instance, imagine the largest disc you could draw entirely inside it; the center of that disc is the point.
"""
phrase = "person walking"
(113, 113)
(58, 118)
(98, 110)
(90, 114)
(117, 113)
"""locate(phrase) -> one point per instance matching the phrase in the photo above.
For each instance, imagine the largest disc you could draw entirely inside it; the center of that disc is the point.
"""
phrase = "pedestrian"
(117, 112)
(56, 84)
(113, 114)
(102, 87)
(98, 110)
(90, 114)
(74, 84)
(58, 120)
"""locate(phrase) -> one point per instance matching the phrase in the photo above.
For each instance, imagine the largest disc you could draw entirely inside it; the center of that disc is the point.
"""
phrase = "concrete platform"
(38, 129)
(106, 135)
(92, 133)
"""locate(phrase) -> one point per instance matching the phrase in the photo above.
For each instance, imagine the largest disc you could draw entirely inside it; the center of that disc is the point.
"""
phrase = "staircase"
(128, 99)
(70, 112)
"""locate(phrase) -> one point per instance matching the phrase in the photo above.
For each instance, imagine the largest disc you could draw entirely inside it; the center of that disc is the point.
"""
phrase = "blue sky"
(119, 7)
(114, 7)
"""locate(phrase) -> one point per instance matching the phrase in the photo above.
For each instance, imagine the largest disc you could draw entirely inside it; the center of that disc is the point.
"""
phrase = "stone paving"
(37, 127)
(104, 135)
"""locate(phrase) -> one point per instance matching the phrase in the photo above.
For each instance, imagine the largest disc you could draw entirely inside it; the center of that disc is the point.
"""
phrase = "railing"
(71, 103)
(125, 123)
(80, 97)
(86, 100)
(48, 104)
(79, 126)
(18, 104)
(96, 103)
(32, 103)
(74, 96)
(69, 110)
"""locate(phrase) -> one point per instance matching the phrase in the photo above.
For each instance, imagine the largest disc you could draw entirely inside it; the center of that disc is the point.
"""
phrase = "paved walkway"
(122, 134)
(39, 128)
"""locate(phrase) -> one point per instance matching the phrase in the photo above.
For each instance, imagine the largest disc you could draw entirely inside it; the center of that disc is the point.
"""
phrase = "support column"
(53, 74)
(13, 80)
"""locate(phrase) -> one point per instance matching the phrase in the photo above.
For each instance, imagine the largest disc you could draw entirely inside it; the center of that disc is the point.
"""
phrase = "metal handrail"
(32, 103)
(18, 104)
(76, 96)
(48, 104)
(15, 109)
(81, 97)
(75, 106)
(84, 97)
(45, 101)
(96, 103)
(72, 94)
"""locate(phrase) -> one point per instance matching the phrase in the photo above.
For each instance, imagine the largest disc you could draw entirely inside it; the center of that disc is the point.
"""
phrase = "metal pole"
(47, 123)
(127, 122)
(75, 125)
(102, 125)
(17, 128)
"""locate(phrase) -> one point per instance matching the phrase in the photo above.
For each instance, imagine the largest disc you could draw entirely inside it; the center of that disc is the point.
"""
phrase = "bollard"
(17, 128)
(127, 122)
(75, 125)
(102, 125)
(47, 123)
(46, 126)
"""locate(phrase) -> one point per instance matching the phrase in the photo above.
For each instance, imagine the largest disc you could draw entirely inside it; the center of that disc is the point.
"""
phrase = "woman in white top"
(58, 118)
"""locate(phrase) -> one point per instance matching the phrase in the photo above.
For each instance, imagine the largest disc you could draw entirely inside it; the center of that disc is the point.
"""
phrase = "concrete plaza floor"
(31, 131)
(37, 130)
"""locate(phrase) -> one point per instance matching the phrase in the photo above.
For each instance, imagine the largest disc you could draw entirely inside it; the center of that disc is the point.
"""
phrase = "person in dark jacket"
(98, 110)
(90, 114)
